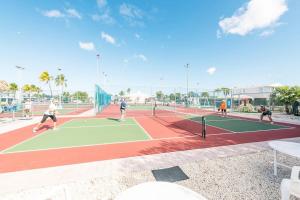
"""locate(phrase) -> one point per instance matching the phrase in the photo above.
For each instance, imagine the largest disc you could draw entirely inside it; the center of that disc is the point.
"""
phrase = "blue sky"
(141, 42)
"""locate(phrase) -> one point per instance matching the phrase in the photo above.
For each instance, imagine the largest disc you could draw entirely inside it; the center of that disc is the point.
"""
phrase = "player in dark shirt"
(123, 106)
(265, 112)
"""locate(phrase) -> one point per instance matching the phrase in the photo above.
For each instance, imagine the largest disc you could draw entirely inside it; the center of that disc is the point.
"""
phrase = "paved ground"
(232, 172)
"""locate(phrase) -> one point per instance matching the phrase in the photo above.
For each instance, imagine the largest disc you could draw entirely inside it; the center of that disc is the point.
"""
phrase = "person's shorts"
(223, 110)
(27, 110)
(122, 110)
(45, 117)
(269, 113)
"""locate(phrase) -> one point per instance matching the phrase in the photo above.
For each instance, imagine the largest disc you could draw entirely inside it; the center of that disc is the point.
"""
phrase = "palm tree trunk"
(50, 89)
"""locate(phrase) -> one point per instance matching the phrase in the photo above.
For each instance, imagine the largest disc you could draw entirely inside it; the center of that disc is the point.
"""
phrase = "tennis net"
(184, 118)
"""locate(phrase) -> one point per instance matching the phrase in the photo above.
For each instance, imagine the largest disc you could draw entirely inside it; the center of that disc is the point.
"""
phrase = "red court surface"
(173, 134)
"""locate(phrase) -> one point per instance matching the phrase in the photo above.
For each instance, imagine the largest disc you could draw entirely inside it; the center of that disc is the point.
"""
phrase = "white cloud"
(137, 36)
(141, 56)
(108, 38)
(89, 46)
(105, 17)
(53, 13)
(132, 14)
(266, 33)
(276, 85)
(101, 3)
(256, 14)
(211, 70)
(73, 13)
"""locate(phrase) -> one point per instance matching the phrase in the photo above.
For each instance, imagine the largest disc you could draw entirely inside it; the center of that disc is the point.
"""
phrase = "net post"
(203, 127)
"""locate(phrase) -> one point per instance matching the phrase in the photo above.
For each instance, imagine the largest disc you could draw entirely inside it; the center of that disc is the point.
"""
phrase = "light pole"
(98, 68)
(198, 94)
(105, 79)
(187, 81)
(61, 86)
(20, 69)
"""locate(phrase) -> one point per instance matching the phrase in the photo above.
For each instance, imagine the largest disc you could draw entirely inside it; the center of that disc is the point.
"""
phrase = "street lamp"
(98, 68)
(20, 69)
(187, 79)
(61, 86)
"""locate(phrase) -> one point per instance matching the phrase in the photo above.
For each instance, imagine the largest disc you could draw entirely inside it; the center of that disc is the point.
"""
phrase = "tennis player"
(223, 108)
(265, 112)
(27, 108)
(51, 113)
(123, 106)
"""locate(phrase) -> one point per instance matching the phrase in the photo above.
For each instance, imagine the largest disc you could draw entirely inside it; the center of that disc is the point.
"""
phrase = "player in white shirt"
(27, 108)
(50, 112)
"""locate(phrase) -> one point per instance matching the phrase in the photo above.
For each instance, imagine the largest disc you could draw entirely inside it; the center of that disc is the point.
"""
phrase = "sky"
(147, 43)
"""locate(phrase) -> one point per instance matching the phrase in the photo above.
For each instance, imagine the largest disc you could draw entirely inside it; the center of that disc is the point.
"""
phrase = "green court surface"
(237, 125)
(82, 132)
(139, 107)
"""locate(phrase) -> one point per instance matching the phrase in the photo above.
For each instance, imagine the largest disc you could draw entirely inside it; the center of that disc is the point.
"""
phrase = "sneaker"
(272, 123)
(34, 130)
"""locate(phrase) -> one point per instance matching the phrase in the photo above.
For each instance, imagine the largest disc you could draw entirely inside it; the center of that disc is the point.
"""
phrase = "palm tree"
(128, 91)
(60, 80)
(205, 94)
(121, 93)
(27, 89)
(13, 87)
(226, 91)
(45, 77)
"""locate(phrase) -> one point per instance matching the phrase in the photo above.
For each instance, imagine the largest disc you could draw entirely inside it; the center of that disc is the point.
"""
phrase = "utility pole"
(187, 79)
(61, 86)
(20, 69)
(98, 69)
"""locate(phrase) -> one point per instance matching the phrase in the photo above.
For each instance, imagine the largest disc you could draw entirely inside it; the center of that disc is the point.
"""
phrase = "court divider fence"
(102, 99)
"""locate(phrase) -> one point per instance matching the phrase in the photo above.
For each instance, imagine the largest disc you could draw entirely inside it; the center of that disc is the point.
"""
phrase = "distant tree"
(128, 91)
(27, 89)
(205, 94)
(226, 91)
(80, 96)
(172, 97)
(178, 97)
(13, 87)
(60, 80)
(286, 95)
(192, 94)
(159, 95)
(121, 93)
(45, 77)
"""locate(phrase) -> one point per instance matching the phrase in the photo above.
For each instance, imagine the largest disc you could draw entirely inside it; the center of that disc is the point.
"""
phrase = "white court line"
(37, 135)
(109, 143)
(3, 151)
(153, 139)
(40, 134)
(143, 129)
(213, 126)
(99, 126)
(133, 141)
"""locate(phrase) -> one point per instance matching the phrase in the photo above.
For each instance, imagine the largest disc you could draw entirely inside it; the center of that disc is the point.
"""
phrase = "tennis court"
(104, 137)
(84, 132)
